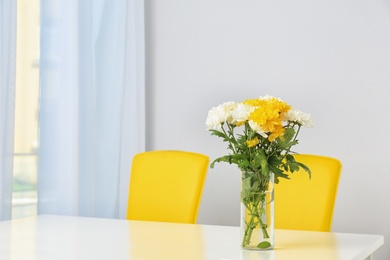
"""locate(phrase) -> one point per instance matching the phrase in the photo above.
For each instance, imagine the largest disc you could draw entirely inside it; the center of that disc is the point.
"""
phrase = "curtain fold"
(91, 105)
(7, 103)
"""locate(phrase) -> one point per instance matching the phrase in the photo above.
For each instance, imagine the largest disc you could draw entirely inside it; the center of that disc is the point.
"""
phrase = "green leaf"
(219, 134)
(305, 168)
(255, 186)
(246, 183)
(264, 245)
(257, 162)
(275, 161)
(241, 139)
(289, 134)
(290, 158)
(243, 164)
(287, 141)
(225, 158)
(293, 167)
(239, 159)
(263, 162)
(278, 173)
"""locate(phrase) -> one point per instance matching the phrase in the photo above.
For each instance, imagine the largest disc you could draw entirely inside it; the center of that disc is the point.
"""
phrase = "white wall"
(330, 58)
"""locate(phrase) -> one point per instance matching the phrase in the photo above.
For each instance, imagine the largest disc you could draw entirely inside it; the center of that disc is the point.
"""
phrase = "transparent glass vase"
(257, 211)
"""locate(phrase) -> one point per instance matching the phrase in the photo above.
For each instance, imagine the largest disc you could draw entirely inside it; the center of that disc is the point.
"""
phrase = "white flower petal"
(257, 128)
(299, 117)
(241, 113)
(219, 115)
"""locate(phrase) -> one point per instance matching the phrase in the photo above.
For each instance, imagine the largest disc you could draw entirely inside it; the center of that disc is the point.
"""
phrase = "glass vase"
(257, 211)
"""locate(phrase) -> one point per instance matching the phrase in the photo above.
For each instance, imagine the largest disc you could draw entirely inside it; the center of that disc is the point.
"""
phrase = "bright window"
(26, 109)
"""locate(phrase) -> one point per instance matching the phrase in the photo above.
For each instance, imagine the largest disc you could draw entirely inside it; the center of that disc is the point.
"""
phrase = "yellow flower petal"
(253, 142)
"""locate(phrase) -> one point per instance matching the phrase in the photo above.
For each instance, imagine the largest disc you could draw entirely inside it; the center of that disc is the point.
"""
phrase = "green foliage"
(264, 245)
(262, 151)
(266, 156)
(257, 160)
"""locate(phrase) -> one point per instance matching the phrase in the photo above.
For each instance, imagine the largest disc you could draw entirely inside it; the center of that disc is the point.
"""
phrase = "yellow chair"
(307, 204)
(166, 186)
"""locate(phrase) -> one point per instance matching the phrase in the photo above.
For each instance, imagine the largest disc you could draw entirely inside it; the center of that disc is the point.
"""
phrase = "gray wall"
(330, 58)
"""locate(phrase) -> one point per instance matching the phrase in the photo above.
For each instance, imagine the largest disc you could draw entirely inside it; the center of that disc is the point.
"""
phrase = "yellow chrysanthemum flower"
(253, 142)
(254, 102)
(268, 114)
(279, 132)
(240, 123)
(272, 103)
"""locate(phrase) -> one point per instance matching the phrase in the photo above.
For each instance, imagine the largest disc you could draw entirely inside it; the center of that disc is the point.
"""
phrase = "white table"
(61, 237)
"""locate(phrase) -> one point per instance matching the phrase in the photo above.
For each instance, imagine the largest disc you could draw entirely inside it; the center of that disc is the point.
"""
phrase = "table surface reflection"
(64, 237)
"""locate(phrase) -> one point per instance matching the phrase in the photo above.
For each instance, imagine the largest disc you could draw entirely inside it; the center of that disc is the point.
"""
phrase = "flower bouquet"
(262, 151)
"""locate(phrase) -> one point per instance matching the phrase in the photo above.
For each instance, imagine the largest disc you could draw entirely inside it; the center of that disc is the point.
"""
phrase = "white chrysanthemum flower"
(268, 97)
(255, 127)
(214, 119)
(241, 113)
(229, 108)
(219, 115)
(300, 117)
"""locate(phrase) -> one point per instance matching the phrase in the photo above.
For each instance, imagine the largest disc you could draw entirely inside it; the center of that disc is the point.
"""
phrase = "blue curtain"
(7, 103)
(91, 105)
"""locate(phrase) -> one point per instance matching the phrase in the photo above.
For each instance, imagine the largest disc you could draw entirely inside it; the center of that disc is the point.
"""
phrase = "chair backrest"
(307, 204)
(166, 186)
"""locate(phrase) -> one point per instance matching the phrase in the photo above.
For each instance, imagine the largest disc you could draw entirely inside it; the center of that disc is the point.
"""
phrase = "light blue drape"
(7, 103)
(91, 105)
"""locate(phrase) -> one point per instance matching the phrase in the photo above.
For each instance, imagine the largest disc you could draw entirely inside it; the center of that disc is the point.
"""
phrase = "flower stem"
(256, 209)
